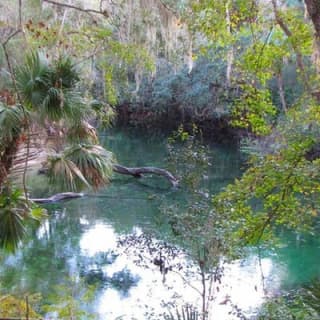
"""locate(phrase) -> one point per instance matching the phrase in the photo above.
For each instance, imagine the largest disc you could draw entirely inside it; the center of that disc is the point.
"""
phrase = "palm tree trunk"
(6, 161)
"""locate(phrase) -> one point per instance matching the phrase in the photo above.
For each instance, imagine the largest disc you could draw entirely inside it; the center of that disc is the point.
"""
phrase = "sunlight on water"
(244, 284)
(100, 238)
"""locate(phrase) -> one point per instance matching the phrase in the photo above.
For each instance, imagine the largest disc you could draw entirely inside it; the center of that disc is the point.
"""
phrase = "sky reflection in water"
(242, 283)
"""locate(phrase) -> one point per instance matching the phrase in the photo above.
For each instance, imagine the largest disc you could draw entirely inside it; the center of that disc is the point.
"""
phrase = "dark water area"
(80, 240)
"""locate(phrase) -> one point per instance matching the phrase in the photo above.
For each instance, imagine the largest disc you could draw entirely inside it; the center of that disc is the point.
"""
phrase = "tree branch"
(105, 13)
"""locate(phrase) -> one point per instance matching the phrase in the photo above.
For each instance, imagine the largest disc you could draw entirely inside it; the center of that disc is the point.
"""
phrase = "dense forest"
(234, 72)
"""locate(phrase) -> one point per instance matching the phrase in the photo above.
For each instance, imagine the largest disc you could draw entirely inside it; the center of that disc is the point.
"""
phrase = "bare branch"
(13, 34)
(105, 13)
(166, 6)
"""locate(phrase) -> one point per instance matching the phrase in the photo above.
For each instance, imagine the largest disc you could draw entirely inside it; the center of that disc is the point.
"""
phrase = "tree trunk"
(297, 51)
(313, 9)
(6, 162)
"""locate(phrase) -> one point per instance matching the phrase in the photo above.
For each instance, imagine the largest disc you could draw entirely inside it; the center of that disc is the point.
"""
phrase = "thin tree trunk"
(204, 293)
(230, 54)
(190, 54)
(289, 34)
(281, 91)
(27, 308)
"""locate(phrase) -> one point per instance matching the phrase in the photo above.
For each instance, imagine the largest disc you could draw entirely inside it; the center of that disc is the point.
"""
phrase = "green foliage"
(183, 97)
(252, 110)
(263, 39)
(118, 64)
(188, 157)
(71, 300)
(293, 305)
(104, 112)
(13, 307)
(281, 188)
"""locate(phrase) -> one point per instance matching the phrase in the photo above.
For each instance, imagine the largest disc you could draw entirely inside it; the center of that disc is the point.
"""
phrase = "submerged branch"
(139, 171)
(58, 197)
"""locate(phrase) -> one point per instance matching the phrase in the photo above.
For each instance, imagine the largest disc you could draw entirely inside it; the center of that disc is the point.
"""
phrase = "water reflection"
(99, 238)
(148, 295)
(80, 239)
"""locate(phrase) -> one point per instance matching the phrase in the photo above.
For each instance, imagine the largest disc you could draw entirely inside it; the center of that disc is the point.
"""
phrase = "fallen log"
(135, 172)
(139, 171)
(58, 197)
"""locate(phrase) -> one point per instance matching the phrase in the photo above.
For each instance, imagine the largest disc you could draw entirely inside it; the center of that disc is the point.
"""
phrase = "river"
(80, 241)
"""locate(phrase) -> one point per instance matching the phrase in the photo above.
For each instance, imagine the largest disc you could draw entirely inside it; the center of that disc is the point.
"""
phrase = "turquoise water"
(80, 238)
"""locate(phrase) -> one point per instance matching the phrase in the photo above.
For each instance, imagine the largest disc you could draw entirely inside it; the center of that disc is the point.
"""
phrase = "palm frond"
(65, 73)
(15, 214)
(94, 162)
(32, 79)
(51, 90)
(73, 106)
(12, 228)
(64, 173)
(12, 119)
(81, 166)
(82, 132)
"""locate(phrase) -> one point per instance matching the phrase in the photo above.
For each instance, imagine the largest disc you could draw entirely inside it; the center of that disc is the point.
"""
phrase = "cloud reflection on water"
(242, 283)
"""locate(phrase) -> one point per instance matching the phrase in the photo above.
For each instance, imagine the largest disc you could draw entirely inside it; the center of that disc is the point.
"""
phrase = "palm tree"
(50, 90)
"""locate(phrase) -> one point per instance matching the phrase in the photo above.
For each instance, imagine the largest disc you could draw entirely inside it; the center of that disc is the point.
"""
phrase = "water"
(80, 241)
